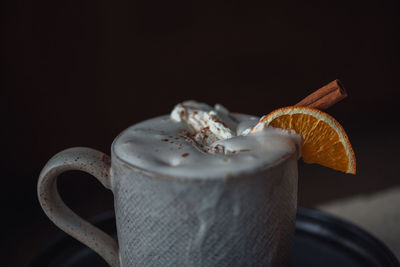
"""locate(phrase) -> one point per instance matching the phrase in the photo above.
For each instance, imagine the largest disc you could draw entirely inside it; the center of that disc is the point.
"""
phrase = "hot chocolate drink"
(196, 140)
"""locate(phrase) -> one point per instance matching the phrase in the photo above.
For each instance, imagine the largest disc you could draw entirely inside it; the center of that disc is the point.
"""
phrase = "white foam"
(203, 142)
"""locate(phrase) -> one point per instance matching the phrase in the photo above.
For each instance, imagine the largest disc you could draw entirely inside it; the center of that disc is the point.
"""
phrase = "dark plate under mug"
(320, 240)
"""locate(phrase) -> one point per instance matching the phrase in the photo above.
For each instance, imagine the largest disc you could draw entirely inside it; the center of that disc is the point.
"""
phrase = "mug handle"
(95, 163)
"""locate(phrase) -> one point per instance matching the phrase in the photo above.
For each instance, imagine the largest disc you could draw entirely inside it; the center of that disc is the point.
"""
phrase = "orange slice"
(324, 140)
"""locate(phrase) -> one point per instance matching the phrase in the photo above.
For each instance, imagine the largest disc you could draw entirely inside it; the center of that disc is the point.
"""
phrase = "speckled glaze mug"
(246, 220)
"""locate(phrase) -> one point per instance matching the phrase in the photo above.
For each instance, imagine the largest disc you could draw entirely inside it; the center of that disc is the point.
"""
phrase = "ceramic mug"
(246, 220)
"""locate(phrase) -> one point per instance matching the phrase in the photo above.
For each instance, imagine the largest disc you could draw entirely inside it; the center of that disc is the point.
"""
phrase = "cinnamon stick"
(325, 97)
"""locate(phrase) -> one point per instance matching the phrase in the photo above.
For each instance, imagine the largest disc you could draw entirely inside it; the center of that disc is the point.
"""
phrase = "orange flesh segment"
(323, 139)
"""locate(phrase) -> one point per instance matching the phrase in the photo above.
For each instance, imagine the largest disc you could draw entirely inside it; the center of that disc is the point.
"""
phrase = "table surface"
(376, 213)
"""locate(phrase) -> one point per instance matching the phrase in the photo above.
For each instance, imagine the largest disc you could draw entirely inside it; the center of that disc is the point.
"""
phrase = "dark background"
(79, 72)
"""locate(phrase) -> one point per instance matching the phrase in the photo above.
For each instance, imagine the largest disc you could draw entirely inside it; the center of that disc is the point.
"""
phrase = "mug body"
(243, 220)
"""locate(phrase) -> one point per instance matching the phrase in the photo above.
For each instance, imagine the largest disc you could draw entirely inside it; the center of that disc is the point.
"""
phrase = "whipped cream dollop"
(197, 140)
(208, 126)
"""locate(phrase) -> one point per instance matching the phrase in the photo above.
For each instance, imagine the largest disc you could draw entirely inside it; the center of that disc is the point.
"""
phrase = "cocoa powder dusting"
(223, 123)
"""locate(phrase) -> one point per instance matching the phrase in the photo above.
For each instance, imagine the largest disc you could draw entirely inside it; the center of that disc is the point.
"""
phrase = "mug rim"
(234, 176)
